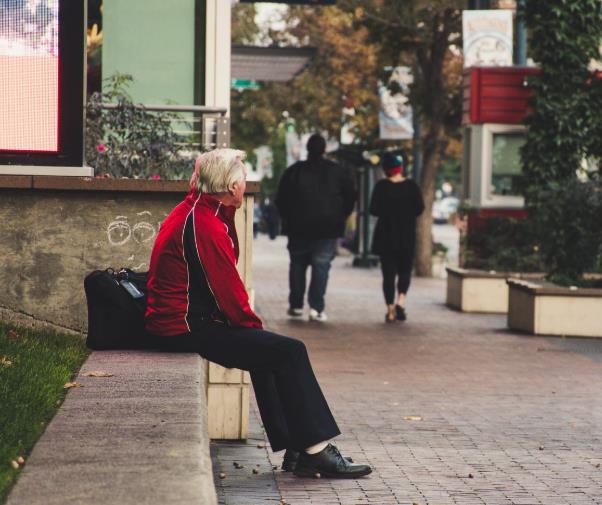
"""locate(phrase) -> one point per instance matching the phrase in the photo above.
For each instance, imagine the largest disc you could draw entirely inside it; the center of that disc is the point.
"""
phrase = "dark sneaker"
(295, 312)
(290, 460)
(400, 313)
(330, 464)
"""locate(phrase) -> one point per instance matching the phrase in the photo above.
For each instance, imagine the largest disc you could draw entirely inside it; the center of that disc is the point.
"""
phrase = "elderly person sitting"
(198, 303)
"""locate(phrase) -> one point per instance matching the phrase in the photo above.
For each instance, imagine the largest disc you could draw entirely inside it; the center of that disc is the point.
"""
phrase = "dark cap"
(391, 161)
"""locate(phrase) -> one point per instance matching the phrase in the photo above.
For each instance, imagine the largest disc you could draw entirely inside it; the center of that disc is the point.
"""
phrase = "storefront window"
(506, 172)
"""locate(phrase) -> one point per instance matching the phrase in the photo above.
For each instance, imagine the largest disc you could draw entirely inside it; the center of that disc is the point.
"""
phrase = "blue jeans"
(303, 253)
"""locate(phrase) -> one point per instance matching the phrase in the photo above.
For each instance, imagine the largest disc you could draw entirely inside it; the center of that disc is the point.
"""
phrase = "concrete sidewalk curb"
(138, 437)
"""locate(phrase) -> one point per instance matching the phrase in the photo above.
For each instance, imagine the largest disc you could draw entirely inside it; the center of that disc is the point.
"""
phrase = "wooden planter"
(542, 308)
(479, 290)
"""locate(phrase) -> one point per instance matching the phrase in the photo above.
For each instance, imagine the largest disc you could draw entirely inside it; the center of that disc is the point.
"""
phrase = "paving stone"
(489, 399)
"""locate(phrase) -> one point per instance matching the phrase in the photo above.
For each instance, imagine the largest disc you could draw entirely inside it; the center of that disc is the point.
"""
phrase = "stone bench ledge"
(139, 437)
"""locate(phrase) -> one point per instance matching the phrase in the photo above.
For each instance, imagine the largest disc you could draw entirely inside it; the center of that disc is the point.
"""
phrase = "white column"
(217, 53)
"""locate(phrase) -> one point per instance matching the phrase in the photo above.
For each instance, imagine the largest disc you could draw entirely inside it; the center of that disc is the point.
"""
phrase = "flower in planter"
(101, 148)
(155, 177)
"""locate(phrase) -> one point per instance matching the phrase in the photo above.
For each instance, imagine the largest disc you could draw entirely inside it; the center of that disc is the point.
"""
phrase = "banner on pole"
(395, 115)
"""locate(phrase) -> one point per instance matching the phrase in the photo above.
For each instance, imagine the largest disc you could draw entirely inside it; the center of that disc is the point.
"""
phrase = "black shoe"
(329, 463)
(290, 460)
(400, 313)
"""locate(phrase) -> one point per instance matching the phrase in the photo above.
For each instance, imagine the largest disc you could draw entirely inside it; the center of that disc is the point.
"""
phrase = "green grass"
(31, 389)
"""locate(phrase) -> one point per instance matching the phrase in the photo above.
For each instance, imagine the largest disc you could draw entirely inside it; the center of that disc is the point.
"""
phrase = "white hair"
(215, 171)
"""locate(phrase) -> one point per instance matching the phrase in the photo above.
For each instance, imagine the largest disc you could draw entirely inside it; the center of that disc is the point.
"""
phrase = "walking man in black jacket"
(314, 199)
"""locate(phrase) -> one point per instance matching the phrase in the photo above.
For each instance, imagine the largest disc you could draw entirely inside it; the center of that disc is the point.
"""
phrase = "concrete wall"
(50, 238)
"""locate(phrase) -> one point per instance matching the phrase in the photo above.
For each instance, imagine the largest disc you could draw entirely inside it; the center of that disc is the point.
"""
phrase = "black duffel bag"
(116, 306)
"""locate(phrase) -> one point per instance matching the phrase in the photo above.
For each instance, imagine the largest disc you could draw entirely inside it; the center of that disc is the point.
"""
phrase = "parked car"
(444, 208)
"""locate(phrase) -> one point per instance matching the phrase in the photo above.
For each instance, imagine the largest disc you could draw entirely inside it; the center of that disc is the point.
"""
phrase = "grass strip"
(34, 367)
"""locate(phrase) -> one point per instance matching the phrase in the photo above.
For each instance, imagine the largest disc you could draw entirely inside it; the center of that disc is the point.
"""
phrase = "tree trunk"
(424, 233)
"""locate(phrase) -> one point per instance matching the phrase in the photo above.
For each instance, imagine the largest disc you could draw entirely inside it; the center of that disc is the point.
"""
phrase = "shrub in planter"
(133, 142)
(569, 225)
(503, 244)
(564, 211)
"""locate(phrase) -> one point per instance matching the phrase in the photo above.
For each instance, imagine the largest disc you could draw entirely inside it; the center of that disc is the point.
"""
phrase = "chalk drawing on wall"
(120, 231)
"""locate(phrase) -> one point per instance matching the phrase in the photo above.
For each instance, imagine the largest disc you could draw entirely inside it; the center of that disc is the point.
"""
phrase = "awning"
(269, 63)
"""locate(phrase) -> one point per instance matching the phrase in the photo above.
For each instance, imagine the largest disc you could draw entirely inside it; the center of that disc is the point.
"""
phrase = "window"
(506, 172)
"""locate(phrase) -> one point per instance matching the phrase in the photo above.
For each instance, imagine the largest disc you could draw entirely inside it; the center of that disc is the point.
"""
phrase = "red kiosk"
(494, 107)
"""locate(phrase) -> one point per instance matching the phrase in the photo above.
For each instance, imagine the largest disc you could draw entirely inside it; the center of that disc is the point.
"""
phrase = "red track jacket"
(192, 276)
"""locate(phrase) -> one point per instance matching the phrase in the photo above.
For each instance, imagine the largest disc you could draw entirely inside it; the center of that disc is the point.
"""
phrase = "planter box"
(543, 308)
(479, 290)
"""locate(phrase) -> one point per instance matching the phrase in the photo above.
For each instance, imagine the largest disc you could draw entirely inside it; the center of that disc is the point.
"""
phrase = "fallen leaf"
(222, 475)
(255, 471)
(412, 418)
(14, 464)
(260, 446)
(69, 385)
(5, 362)
(97, 374)
(470, 476)
(13, 335)
(21, 460)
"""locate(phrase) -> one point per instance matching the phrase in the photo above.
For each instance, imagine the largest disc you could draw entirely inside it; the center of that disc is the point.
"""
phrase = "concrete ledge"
(139, 437)
(542, 308)
(480, 290)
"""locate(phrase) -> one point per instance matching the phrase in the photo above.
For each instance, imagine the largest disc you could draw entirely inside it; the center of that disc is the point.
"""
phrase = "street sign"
(245, 84)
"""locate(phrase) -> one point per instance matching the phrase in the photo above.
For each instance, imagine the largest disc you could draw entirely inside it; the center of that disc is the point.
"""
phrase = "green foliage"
(564, 129)
(565, 37)
(570, 227)
(35, 367)
(315, 98)
(503, 244)
(132, 142)
(439, 249)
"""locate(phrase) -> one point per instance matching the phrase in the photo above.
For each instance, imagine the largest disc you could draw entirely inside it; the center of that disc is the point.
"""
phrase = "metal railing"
(204, 127)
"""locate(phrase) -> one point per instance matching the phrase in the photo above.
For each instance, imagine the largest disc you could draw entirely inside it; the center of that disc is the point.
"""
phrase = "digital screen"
(29, 75)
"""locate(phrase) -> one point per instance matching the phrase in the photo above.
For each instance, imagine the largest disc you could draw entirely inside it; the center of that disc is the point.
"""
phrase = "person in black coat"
(397, 202)
(314, 199)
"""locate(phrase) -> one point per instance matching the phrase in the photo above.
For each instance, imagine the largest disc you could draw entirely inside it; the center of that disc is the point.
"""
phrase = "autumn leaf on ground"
(97, 374)
(12, 335)
(5, 362)
(70, 385)
(412, 418)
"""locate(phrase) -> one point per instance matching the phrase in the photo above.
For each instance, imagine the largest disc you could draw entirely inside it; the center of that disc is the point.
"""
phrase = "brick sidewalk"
(448, 408)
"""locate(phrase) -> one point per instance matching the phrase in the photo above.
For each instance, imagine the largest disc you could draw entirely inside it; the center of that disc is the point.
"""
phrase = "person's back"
(396, 202)
(314, 199)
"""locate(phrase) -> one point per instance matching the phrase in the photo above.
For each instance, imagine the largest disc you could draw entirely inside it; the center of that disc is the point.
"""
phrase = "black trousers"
(396, 265)
(293, 409)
